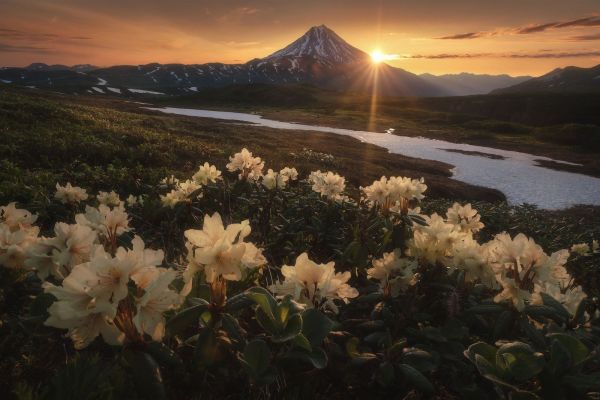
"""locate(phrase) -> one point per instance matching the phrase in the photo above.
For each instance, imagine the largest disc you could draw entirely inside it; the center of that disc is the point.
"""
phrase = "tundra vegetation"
(135, 267)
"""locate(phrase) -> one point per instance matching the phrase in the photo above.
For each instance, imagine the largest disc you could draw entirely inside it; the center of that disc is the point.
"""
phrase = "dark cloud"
(9, 48)
(535, 28)
(15, 34)
(469, 35)
(595, 36)
(529, 29)
(589, 21)
(505, 55)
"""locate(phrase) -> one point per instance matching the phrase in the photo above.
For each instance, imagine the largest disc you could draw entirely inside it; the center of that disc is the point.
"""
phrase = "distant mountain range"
(465, 84)
(561, 80)
(319, 57)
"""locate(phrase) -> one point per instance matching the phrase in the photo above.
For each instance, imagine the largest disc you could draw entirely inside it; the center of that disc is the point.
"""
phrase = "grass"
(105, 144)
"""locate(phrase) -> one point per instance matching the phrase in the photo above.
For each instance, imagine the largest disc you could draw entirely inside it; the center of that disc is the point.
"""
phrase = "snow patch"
(193, 88)
(5, 81)
(97, 89)
(114, 90)
(143, 91)
(101, 82)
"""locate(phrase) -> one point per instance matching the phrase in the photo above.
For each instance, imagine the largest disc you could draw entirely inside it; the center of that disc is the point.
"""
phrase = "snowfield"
(143, 91)
(517, 175)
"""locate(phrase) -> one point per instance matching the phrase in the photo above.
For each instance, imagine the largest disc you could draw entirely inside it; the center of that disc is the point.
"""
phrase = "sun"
(377, 56)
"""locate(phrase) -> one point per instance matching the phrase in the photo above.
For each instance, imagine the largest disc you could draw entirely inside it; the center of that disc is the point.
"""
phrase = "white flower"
(250, 167)
(434, 241)
(15, 218)
(206, 173)
(394, 192)
(274, 180)
(473, 258)
(328, 184)
(181, 194)
(157, 299)
(465, 217)
(171, 180)
(15, 243)
(393, 272)
(110, 199)
(220, 251)
(569, 298)
(290, 173)
(581, 249)
(108, 223)
(72, 245)
(512, 292)
(314, 284)
(40, 259)
(70, 194)
(133, 200)
(144, 261)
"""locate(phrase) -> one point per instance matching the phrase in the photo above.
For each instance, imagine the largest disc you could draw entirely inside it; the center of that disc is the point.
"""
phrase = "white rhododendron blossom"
(581, 249)
(16, 218)
(220, 251)
(290, 173)
(70, 194)
(434, 242)
(17, 235)
(94, 299)
(108, 222)
(394, 192)
(394, 273)
(133, 201)
(272, 180)
(249, 167)
(57, 256)
(465, 217)
(315, 285)
(521, 265)
(328, 184)
(569, 298)
(206, 173)
(169, 180)
(110, 199)
(181, 194)
(474, 260)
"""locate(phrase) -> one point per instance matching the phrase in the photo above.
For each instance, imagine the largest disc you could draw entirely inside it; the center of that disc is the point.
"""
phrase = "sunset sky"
(436, 36)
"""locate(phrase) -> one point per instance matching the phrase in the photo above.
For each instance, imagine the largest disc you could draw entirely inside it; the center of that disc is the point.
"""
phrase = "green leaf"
(485, 350)
(520, 360)
(315, 326)
(417, 379)
(185, 318)
(486, 309)
(419, 359)
(503, 324)
(146, 374)
(238, 302)
(256, 360)
(579, 352)
(266, 302)
(291, 330)
(301, 341)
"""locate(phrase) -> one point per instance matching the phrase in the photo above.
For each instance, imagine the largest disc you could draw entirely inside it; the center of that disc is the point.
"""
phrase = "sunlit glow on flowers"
(315, 285)
(94, 299)
(433, 242)
(70, 194)
(220, 252)
(465, 217)
(206, 173)
(328, 184)
(108, 222)
(17, 234)
(581, 249)
(394, 192)
(394, 273)
(249, 167)
(182, 193)
(110, 199)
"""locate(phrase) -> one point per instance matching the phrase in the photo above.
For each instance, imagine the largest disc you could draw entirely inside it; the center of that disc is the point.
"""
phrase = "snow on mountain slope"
(323, 44)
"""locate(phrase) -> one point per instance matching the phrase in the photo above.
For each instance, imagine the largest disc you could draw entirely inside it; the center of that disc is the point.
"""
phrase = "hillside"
(560, 80)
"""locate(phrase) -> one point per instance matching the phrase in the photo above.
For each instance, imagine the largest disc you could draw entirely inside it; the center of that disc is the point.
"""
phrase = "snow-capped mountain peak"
(323, 44)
